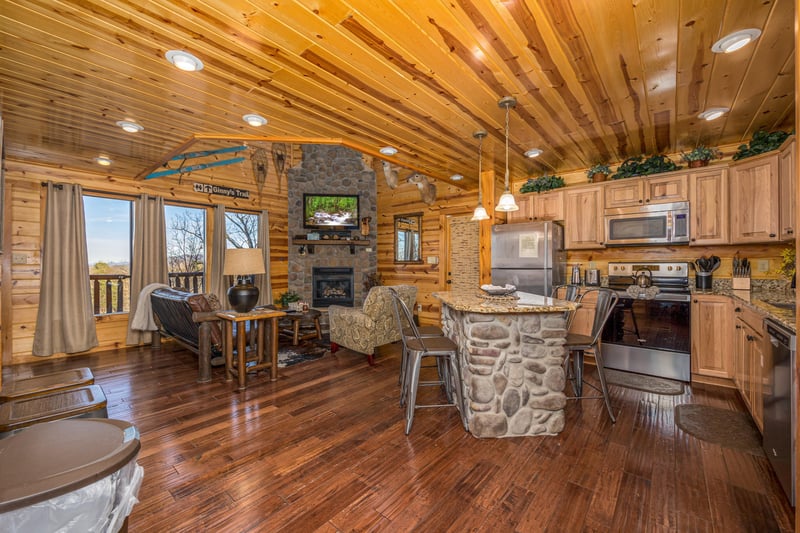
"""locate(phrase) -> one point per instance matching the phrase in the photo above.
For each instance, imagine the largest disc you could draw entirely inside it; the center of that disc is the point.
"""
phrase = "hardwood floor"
(323, 449)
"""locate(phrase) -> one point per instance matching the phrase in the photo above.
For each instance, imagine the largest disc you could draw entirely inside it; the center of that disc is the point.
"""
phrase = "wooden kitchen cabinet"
(524, 213)
(583, 218)
(754, 200)
(640, 191)
(787, 187)
(708, 207)
(712, 336)
(749, 362)
(538, 206)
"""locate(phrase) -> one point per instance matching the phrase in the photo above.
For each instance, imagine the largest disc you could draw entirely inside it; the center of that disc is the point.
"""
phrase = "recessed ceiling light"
(736, 40)
(388, 150)
(129, 126)
(456, 177)
(533, 152)
(184, 60)
(713, 113)
(254, 120)
(103, 160)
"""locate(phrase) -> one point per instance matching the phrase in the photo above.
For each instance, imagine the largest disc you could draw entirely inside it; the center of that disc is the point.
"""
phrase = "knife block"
(741, 284)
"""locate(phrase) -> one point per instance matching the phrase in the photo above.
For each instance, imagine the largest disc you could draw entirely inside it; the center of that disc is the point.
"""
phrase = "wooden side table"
(306, 319)
(262, 320)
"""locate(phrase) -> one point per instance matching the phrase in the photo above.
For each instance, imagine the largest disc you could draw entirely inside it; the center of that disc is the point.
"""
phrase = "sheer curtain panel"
(149, 263)
(65, 321)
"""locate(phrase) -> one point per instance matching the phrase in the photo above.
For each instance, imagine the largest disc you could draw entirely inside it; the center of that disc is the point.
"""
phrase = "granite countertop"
(762, 300)
(474, 301)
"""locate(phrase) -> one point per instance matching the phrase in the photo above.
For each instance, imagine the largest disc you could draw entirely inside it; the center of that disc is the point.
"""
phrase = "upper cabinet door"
(708, 206)
(788, 189)
(548, 206)
(583, 218)
(754, 197)
(624, 193)
(525, 211)
(667, 189)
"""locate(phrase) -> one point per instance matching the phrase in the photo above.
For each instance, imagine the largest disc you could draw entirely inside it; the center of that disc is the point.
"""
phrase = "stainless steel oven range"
(650, 335)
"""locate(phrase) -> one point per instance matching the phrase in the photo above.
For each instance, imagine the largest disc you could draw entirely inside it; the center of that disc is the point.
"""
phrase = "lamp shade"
(507, 203)
(243, 262)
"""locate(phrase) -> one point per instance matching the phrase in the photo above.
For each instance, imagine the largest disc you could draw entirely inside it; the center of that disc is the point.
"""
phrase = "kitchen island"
(511, 353)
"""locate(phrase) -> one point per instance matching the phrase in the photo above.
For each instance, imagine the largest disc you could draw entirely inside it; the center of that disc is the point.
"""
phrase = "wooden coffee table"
(298, 320)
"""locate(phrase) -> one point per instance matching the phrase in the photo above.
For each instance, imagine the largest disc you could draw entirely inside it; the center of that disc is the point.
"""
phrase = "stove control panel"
(657, 269)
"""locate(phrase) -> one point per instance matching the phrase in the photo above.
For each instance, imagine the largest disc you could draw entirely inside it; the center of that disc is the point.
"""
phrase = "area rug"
(308, 350)
(730, 429)
(629, 380)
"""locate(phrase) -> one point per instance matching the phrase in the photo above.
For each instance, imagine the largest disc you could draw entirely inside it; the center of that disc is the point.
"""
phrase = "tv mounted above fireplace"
(330, 211)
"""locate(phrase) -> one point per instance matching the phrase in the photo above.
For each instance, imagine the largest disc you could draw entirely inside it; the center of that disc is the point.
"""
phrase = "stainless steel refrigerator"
(529, 256)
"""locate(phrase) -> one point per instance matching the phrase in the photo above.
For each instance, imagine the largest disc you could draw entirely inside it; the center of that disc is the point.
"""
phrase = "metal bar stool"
(446, 353)
(576, 344)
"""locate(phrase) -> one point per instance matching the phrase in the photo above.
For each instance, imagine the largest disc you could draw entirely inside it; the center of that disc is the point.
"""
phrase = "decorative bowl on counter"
(497, 290)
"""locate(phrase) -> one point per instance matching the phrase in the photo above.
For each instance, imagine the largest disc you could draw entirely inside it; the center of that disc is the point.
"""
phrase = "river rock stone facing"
(512, 369)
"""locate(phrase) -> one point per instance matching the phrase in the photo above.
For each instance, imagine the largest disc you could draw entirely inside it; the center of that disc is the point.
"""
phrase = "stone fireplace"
(332, 286)
(327, 169)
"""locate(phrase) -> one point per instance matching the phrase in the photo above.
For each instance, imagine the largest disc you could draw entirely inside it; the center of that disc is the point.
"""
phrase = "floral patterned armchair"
(373, 325)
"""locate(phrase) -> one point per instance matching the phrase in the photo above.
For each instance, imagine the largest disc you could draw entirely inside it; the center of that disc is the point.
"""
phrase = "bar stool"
(446, 353)
(576, 344)
(571, 293)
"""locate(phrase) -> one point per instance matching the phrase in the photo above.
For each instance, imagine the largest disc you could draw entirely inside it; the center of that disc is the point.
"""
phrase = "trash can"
(78, 474)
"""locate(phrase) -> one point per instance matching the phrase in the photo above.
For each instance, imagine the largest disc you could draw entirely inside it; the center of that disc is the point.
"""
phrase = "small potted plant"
(542, 183)
(700, 156)
(598, 173)
(288, 297)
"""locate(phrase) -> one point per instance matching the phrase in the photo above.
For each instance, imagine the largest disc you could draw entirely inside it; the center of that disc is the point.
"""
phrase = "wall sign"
(223, 191)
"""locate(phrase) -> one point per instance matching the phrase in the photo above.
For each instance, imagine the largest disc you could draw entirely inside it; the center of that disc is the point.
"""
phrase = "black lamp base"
(243, 297)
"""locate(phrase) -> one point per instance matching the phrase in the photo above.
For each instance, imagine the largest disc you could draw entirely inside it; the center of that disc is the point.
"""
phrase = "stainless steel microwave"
(648, 224)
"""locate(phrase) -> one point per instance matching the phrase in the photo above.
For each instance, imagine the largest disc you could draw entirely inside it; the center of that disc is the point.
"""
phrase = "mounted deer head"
(391, 174)
(427, 190)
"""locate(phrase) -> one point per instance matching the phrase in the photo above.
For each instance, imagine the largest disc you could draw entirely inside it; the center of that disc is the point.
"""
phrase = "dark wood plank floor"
(323, 449)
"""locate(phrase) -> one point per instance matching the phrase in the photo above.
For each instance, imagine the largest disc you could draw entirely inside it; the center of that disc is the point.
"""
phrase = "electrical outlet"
(763, 265)
(419, 308)
(19, 259)
(433, 259)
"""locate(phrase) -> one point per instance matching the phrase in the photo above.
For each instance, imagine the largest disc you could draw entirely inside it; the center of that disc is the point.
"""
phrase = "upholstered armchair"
(362, 330)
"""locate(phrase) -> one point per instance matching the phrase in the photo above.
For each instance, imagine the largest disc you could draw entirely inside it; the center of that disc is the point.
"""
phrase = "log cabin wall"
(23, 221)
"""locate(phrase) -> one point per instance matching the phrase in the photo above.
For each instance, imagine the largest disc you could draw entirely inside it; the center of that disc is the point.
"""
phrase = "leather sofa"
(190, 319)
(362, 330)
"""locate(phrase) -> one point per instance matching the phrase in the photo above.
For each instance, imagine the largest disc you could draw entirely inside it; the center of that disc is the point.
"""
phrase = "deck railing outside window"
(110, 292)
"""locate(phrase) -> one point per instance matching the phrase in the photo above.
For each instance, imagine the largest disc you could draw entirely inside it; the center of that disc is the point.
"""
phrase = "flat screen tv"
(330, 211)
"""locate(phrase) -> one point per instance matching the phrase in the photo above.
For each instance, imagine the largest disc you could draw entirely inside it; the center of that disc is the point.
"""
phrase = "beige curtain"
(262, 281)
(216, 281)
(65, 321)
(149, 263)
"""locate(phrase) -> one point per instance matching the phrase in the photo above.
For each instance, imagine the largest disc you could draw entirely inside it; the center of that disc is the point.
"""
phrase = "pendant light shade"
(480, 211)
(506, 202)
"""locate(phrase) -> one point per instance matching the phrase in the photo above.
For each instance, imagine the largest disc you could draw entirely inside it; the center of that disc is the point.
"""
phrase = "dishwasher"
(780, 415)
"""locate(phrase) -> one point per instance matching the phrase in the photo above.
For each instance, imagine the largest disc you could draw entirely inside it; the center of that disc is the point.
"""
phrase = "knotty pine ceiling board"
(591, 77)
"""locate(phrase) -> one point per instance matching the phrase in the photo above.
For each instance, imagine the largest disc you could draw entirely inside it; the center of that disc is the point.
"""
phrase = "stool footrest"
(89, 401)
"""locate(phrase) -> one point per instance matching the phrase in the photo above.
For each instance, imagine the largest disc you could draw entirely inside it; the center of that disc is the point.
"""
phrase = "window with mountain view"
(108, 241)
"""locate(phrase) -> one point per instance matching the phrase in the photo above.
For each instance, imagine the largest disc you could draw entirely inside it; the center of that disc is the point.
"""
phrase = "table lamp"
(243, 263)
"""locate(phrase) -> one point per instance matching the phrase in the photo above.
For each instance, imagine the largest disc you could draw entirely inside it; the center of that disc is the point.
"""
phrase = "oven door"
(650, 336)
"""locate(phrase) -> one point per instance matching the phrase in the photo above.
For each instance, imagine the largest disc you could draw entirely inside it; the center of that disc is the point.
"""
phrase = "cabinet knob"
(640, 201)
(737, 310)
(771, 235)
(693, 239)
(647, 201)
(738, 326)
(750, 338)
(694, 301)
(789, 231)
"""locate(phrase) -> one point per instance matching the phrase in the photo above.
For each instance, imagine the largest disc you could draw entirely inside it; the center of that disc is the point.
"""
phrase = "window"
(241, 230)
(108, 240)
(186, 247)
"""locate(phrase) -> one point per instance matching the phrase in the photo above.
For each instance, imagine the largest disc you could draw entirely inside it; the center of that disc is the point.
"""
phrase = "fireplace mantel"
(309, 244)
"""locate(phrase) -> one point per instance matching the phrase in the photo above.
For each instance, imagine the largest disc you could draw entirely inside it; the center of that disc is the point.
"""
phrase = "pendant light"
(506, 202)
(480, 211)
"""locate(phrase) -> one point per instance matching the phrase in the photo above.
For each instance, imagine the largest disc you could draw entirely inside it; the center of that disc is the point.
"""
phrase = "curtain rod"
(60, 186)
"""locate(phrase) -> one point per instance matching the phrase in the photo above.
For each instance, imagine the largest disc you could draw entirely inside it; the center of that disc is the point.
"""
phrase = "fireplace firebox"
(332, 286)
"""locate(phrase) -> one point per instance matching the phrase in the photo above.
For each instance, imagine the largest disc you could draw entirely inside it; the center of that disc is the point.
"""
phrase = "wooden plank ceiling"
(595, 80)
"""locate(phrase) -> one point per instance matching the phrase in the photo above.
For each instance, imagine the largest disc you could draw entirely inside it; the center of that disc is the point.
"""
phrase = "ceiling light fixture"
(713, 113)
(388, 150)
(736, 40)
(533, 152)
(130, 126)
(103, 160)
(456, 177)
(254, 120)
(184, 60)
(506, 202)
(480, 211)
